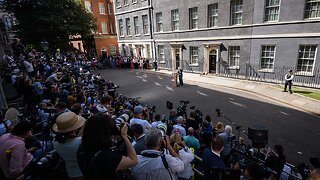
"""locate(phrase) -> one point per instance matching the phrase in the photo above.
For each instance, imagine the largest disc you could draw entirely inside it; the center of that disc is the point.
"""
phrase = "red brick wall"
(104, 40)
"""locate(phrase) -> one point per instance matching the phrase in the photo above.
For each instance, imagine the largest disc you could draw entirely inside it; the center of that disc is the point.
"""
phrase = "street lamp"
(45, 45)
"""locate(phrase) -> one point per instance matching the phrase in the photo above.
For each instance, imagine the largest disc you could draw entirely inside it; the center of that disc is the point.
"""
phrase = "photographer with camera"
(137, 118)
(154, 163)
(95, 156)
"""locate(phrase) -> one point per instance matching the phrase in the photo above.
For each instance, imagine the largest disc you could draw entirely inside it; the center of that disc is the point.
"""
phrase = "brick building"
(105, 37)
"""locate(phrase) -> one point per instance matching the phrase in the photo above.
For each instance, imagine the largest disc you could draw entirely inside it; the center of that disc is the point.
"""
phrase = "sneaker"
(284, 91)
(290, 92)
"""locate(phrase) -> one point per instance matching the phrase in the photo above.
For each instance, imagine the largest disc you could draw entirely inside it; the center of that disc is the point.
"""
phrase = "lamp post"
(45, 45)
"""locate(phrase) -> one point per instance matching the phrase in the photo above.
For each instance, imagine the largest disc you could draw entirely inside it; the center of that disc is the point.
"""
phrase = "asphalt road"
(298, 132)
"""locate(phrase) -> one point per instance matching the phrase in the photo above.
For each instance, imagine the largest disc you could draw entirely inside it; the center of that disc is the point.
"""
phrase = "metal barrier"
(276, 75)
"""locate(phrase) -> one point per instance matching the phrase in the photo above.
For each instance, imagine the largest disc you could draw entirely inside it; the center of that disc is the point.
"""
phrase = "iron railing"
(275, 75)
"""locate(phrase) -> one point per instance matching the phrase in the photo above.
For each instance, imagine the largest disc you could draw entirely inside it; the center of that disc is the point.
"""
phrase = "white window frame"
(118, 4)
(111, 28)
(175, 19)
(194, 55)
(128, 27)
(308, 60)
(134, 1)
(102, 8)
(236, 9)
(234, 57)
(88, 6)
(125, 2)
(193, 18)
(159, 24)
(145, 24)
(110, 9)
(213, 15)
(104, 28)
(136, 25)
(272, 10)
(309, 9)
(121, 30)
(161, 57)
(267, 58)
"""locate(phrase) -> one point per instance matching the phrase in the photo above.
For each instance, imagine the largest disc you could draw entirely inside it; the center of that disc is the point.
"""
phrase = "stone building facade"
(216, 35)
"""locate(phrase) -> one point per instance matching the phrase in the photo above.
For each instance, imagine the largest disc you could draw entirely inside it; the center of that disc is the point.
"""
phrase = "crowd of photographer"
(100, 134)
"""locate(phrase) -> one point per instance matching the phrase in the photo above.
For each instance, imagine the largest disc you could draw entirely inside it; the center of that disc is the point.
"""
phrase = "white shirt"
(144, 123)
(28, 65)
(186, 157)
(153, 168)
(155, 124)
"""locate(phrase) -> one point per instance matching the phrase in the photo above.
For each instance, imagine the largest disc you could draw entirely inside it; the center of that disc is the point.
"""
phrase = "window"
(128, 26)
(104, 28)
(194, 55)
(312, 9)
(102, 9)
(234, 56)
(272, 10)
(306, 61)
(236, 12)
(159, 22)
(121, 27)
(118, 3)
(268, 54)
(136, 25)
(113, 50)
(213, 15)
(110, 8)
(175, 19)
(125, 2)
(193, 17)
(111, 28)
(145, 24)
(161, 54)
(88, 6)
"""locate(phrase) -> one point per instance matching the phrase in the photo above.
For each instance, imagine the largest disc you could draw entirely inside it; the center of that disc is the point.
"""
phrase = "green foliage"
(52, 20)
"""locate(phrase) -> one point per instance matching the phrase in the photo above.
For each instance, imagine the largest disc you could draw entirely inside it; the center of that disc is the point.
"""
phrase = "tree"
(51, 20)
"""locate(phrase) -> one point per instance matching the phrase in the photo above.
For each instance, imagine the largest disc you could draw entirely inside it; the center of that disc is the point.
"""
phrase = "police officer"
(180, 74)
(288, 81)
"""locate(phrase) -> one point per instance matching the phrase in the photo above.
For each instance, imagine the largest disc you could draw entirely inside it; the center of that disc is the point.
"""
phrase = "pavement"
(267, 90)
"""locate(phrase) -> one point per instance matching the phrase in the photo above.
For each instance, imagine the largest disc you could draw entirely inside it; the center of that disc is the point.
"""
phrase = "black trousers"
(287, 83)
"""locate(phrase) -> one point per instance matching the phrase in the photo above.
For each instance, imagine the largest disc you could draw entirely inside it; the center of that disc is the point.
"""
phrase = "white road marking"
(144, 80)
(139, 77)
(157, 84)
(145, 75)
(201, 93)
(231, 99)
(237, 104)
(284, 113)
(137, 73)
(160, 77)
(169, 88)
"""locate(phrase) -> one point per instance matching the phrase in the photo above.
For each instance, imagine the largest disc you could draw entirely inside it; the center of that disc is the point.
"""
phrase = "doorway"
(177, 53)
(212, 61)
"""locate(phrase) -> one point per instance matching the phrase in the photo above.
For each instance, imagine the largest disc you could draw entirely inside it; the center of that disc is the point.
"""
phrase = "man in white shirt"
(179, 128)
(137, 118)
(288, 81)
(154, 164)
(29, 66)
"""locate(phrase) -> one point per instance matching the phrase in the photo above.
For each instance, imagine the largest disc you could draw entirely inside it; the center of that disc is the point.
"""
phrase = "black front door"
(177, 61)
(212, 63)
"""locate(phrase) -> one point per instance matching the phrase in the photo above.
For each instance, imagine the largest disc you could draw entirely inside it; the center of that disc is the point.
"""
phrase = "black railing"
(274, 75)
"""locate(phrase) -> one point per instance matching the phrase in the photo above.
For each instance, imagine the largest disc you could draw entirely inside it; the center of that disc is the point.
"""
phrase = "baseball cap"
(138, 109)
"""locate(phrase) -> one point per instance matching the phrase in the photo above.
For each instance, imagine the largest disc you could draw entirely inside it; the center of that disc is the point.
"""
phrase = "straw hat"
(219, 127)
(68, 122)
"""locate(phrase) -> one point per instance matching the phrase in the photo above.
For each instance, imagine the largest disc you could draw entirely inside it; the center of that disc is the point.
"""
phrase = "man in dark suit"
(211, 157)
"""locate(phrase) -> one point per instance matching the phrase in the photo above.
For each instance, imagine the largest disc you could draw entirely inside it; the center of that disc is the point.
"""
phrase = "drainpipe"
(151, 28)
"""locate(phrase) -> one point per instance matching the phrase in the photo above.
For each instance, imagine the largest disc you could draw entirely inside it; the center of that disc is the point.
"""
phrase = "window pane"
(136, 25)
(236, 12)
(267, 57)
(234, 56)
(175, 19)
(306, 58)
(145, 24)
(194, 55)
(312, 9)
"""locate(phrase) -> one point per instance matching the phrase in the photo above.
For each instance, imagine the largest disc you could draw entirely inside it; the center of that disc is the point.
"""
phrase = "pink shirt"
(13, 155)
